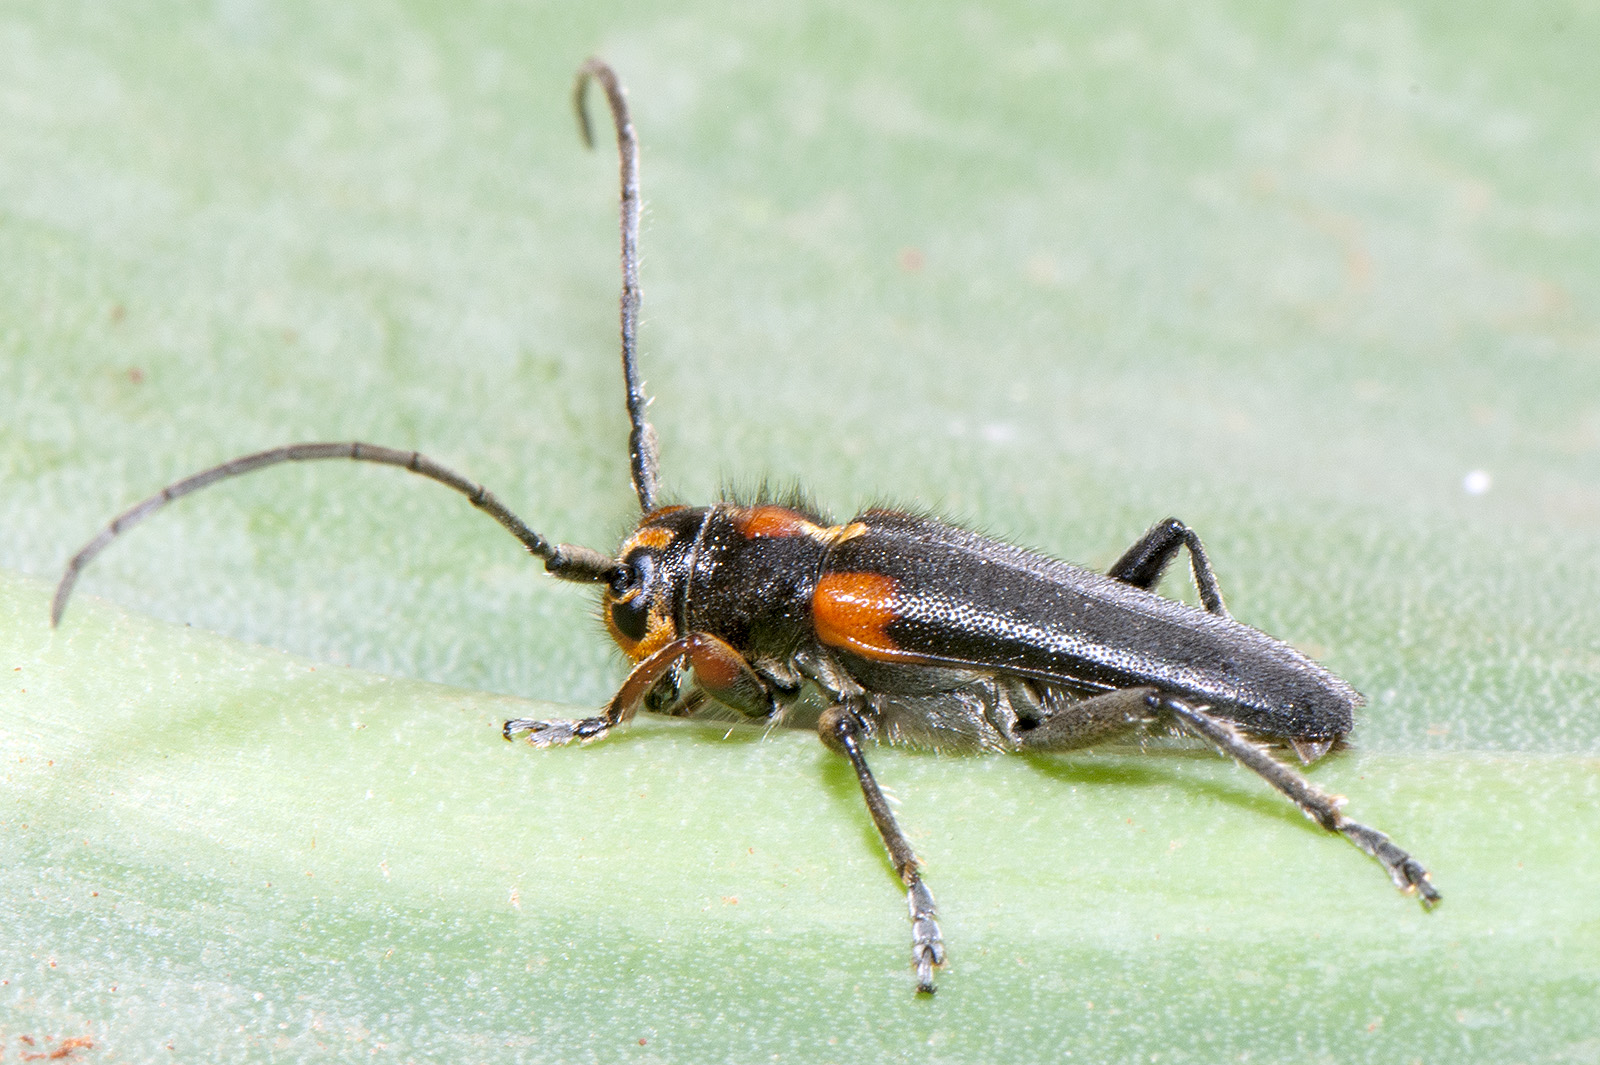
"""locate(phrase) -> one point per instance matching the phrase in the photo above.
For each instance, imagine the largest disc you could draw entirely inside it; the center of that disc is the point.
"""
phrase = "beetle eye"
(630, 590)
(631, 617)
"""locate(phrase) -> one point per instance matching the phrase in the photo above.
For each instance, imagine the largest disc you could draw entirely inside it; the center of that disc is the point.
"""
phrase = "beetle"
(894, 626)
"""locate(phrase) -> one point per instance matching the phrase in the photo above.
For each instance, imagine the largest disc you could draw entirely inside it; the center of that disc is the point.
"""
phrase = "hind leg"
(1406, 872)
(1047, 723)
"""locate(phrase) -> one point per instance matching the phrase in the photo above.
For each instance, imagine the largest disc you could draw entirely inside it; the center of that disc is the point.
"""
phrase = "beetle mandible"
(894, 626)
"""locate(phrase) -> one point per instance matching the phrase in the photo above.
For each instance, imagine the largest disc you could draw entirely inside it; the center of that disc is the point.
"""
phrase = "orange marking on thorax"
(764, 521)
(770, 520)
(853, 611)
(648, 536)
(838, 534)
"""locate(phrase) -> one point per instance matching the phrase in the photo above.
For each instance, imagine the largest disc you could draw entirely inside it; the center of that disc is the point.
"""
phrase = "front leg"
(557, 733)
(718, 669)
(840, 728)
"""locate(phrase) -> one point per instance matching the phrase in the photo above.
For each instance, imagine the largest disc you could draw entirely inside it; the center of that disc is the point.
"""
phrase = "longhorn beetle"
(894, 626)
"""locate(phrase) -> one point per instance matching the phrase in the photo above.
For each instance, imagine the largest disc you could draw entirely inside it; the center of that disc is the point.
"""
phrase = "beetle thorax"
(744, 574)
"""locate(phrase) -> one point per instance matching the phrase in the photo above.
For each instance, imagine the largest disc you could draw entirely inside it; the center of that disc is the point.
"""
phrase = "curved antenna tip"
(594, 68)
(642, 458)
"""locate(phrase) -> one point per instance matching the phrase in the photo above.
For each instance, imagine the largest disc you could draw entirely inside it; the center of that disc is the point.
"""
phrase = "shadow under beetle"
(894, 626)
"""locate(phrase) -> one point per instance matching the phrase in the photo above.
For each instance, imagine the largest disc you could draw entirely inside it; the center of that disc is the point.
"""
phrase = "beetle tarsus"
(556, 733)
(927, 944)
(1407, 873)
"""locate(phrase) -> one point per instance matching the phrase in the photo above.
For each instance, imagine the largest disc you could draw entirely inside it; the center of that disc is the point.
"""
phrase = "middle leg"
(841, 728)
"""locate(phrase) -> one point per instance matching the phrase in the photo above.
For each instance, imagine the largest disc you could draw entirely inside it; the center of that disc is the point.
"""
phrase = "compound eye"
(630, 605)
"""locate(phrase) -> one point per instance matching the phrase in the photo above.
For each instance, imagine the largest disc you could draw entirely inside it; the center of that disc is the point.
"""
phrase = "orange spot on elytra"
(853, 610)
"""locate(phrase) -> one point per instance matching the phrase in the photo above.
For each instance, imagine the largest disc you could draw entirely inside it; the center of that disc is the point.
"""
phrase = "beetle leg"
(1076, 723)
(718, 669)
(1406, 872)
(840, 728)
(1142, 564)
(724, 674)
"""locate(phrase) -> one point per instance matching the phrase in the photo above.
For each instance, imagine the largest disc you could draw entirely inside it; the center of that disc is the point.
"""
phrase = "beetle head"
(640, 603)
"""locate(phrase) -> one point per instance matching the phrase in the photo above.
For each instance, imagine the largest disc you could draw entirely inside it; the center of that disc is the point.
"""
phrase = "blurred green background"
(1294, 275)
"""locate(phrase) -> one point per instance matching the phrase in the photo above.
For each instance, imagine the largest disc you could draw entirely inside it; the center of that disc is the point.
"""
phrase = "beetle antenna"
(561, 560)
(642, 437)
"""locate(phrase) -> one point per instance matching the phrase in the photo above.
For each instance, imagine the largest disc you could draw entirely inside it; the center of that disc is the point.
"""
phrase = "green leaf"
(1291, 275)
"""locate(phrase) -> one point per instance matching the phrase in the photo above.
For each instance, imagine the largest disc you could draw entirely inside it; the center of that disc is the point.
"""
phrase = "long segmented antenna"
(562, 560)
(642, 437)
